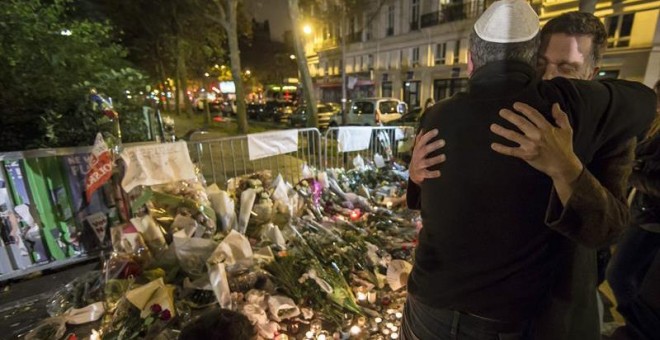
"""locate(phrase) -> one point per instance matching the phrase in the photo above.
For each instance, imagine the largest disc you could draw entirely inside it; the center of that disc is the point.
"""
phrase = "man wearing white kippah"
(486, 260)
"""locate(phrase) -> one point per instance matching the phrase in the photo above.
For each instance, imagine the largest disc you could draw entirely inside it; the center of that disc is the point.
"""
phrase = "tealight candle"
(379, 320)
(394, 336)
(372, 296)
(398, 315)
(361, 296)
(355, 330)
(386, 331)
(309, 335)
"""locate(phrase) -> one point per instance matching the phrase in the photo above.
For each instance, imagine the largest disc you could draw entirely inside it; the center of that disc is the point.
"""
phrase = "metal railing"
(390, 142)
(221, 159)
(453, 12)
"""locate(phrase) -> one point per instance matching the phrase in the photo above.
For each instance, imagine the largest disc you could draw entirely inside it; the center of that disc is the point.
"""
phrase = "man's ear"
(594, 72)
(470, 65)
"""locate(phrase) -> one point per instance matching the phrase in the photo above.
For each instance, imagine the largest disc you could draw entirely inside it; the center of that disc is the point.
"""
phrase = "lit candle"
(361, 321)
(355, 330)
(394, 328)
(394, 336)
(355, 214)
(389, 325)
(372, 296)
(309, 335)
(321, 337)
(398, 315)
(361, 296)
(386, 331)
(379, 320)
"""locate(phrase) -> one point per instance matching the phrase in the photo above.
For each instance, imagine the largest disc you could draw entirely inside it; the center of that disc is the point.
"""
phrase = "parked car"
(411, 118)
(279, 110)
(324, 113)
(214, 102)
(372, 111)
(256, 111)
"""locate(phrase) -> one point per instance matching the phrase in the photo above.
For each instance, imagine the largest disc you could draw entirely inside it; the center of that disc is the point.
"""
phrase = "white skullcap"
(508, 21)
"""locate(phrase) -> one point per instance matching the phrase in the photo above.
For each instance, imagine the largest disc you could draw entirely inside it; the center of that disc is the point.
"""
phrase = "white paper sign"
(99, 223)
(272, 143)
(353, 138)
(156, 164)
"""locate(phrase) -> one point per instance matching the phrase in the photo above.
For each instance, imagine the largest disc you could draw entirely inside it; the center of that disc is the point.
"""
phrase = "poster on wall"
(76, 167)
(22, 221)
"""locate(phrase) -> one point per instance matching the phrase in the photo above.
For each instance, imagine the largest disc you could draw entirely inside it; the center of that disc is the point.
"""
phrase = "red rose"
(156, 308)
(165, 315)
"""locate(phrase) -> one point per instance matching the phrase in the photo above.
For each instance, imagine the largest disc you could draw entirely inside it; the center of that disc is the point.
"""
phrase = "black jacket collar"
(501, 79)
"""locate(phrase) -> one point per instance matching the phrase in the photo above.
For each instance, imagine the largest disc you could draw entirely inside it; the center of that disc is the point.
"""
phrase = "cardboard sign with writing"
(100, 167)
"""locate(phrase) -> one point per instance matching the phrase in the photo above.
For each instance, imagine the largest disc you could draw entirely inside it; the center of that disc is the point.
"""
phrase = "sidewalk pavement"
(23, 302)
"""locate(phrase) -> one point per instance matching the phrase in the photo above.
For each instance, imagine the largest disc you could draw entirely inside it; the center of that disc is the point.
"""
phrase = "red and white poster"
(100, 167)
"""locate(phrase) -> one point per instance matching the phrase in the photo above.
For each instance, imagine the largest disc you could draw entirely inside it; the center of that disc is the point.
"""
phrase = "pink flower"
(156, 308)
(165, 315)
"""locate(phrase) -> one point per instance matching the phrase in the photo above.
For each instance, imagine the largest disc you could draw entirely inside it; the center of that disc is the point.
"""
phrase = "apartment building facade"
(417, 49)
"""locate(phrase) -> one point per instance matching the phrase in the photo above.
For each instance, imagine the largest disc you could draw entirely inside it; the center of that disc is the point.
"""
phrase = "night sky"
(275, 11)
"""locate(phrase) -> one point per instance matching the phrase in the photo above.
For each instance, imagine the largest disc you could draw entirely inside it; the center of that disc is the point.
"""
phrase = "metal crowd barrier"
(390, 142)
(221, 159)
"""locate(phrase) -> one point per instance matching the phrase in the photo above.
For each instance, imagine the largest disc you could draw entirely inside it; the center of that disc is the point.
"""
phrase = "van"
(372, 111)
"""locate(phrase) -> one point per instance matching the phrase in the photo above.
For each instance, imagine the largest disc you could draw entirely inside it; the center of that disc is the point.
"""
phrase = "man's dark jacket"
(487, 246)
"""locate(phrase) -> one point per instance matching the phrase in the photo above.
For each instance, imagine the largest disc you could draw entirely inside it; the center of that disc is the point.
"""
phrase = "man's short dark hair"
(484, 52)
(578, 23)
(219, 324)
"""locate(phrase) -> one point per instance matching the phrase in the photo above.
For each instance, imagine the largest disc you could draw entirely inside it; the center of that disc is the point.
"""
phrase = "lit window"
(415, 56)
(457, 51)
(440, 53)
(619, 28)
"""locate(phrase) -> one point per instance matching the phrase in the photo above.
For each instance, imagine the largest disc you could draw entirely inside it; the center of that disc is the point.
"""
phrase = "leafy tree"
(47, 61)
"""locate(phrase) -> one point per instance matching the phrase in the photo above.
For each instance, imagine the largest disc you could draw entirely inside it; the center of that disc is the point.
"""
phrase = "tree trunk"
(177, 81)
(235, 57)
(308, 86)
(184, 88)
(588, 6)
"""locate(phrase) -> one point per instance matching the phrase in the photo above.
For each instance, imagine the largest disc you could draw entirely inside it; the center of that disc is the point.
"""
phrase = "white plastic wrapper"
(358, 162)
(323, 179)
(255, 313)
(282, 307)
(307, 172)
(234, 249)
(379, 161)
(218, 279)
(186, 223)
(192, 252)
(273, 233)
(247, 202)
(257, 297)
(397, 274)
(224, 207)
(86, 314)
(151, 233)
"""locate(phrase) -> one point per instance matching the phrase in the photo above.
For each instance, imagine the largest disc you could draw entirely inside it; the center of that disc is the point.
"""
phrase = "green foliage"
(48, 63)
